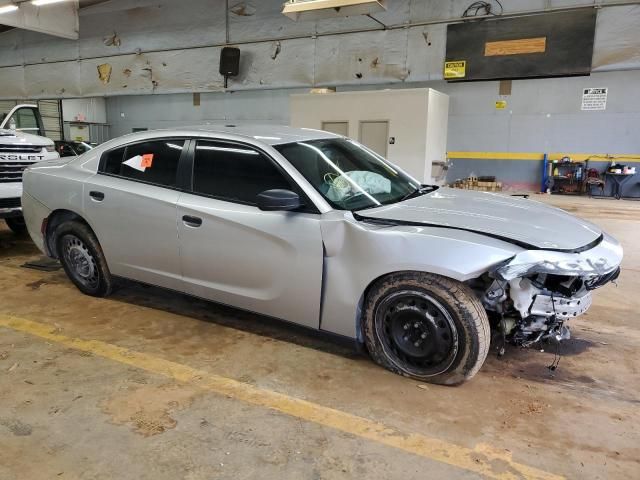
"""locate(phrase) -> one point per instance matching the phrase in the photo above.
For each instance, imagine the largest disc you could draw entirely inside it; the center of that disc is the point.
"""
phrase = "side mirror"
(273, 200)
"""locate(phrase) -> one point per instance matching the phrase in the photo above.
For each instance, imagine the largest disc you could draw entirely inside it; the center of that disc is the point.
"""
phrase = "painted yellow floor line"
(483, 460)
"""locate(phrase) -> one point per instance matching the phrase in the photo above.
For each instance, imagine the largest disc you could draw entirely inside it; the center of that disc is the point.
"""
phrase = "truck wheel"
(427, 327)
(82, 258)
(16, 224)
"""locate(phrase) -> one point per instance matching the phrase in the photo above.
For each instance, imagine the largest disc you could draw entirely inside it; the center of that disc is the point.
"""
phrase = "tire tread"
(457, 297)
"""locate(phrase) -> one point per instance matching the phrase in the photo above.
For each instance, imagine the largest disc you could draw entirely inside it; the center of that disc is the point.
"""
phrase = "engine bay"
(535, 308)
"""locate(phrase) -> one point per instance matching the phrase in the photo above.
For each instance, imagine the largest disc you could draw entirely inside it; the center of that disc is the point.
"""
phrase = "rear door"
(234, 253)
(131, 205)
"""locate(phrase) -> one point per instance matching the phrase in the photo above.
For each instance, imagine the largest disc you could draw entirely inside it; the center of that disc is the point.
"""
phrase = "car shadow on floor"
(14, 245)
(135, 293)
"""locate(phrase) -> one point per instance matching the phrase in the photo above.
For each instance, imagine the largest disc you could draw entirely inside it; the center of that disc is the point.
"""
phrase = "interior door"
(234, 253)
(375, 135)
(131, 205)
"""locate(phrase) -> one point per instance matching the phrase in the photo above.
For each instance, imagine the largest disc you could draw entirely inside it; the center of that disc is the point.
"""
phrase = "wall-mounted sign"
(455, 69)
(544, 45)
(594, 99)
(501, 104)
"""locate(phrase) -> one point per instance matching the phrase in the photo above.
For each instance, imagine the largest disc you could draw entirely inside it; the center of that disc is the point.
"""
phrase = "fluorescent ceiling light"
(39, 3)
(318, 9)
(8, 8)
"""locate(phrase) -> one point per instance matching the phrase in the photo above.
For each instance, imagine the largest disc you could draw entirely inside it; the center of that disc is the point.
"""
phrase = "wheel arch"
(56, 218)
(369, 286)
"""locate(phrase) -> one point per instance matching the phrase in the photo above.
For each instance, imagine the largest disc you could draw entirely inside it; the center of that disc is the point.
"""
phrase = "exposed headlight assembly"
(602, 259)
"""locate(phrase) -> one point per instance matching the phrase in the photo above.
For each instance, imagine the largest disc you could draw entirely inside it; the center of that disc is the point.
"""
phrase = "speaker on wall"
(229, 61)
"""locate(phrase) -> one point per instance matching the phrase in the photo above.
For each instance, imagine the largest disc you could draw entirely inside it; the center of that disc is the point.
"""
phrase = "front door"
(131, 205)
(234, 253)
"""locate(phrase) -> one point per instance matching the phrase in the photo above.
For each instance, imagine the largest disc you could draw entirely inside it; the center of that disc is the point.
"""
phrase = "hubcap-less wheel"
(81, 263)
(417, 332)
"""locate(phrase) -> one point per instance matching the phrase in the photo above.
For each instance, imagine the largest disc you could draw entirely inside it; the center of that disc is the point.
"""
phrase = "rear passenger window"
(235, 172)
(153, 162)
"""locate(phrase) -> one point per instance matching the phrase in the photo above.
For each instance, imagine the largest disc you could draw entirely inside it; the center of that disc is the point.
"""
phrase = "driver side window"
(25, 119)
(235, 173)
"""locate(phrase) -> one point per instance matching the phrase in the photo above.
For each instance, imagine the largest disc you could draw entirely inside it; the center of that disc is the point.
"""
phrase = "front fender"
(358, 253)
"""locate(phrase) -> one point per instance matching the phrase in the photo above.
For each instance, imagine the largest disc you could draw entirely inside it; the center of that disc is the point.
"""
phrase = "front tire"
(82, 259)
(16, 224)
(427, 327)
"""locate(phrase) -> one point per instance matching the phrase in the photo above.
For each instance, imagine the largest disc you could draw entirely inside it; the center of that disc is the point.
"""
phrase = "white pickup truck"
(21, 144)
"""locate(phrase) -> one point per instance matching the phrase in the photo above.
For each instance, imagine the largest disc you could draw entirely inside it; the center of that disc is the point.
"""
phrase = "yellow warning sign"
(455, 69)
(501, 104)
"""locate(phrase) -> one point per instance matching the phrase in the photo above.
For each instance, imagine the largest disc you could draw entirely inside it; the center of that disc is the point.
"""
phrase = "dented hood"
(523, 221)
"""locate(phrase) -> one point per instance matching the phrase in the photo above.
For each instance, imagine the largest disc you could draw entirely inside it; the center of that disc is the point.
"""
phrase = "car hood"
(522, 221)
(16, 137)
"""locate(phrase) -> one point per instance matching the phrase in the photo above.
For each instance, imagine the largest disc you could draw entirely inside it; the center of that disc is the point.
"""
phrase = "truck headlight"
(50, 148)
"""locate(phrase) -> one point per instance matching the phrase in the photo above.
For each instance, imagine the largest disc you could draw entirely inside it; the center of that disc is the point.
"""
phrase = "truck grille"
(21, 148)
(9, 203)
(12, 171)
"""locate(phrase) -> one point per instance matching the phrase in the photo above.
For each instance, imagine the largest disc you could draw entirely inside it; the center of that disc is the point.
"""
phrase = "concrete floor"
(149, 384)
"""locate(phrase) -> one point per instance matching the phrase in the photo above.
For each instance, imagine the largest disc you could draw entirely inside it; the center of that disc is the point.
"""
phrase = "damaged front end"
(534, 293)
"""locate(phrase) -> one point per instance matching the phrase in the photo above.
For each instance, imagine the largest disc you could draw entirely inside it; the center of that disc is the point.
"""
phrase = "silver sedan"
(318, 230)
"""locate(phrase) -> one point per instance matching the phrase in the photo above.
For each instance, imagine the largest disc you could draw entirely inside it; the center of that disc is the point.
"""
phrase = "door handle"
(190, 221)
(98, 196)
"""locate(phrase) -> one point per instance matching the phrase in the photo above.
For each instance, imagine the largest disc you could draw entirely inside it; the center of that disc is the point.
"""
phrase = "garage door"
(51, 118)
(49, 110)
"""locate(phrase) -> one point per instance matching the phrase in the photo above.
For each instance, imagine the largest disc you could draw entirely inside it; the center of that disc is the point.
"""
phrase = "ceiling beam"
(57, 19)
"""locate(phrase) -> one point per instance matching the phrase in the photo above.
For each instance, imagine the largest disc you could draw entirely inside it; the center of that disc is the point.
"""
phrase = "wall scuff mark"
(243, 9)
(112, 40)
(275, 50)
(104, 72)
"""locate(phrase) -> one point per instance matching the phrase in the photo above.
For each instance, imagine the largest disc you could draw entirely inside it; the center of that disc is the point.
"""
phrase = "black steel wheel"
(82, 258)
(426, 327)
(419, 332)
(82, 265)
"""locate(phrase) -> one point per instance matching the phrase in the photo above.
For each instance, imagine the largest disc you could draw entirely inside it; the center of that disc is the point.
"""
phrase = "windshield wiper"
(421, 190)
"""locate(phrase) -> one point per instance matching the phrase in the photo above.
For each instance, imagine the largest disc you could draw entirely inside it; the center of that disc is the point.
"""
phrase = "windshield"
(348, 175)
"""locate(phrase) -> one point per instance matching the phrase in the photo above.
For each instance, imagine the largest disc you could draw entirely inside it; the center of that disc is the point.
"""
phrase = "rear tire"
(16, 224)
(427, 327)
(82, 259)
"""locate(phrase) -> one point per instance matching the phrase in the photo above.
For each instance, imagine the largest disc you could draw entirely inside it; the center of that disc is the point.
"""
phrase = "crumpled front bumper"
(601, 260)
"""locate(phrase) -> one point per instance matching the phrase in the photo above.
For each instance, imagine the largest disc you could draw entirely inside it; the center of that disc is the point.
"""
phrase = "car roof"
(269, 134)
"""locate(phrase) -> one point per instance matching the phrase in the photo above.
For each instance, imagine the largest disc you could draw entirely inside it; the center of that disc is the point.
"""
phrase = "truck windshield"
(349, 175)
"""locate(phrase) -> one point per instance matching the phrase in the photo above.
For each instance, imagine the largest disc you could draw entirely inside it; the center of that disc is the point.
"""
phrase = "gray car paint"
(273, 262)
(515, 218)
